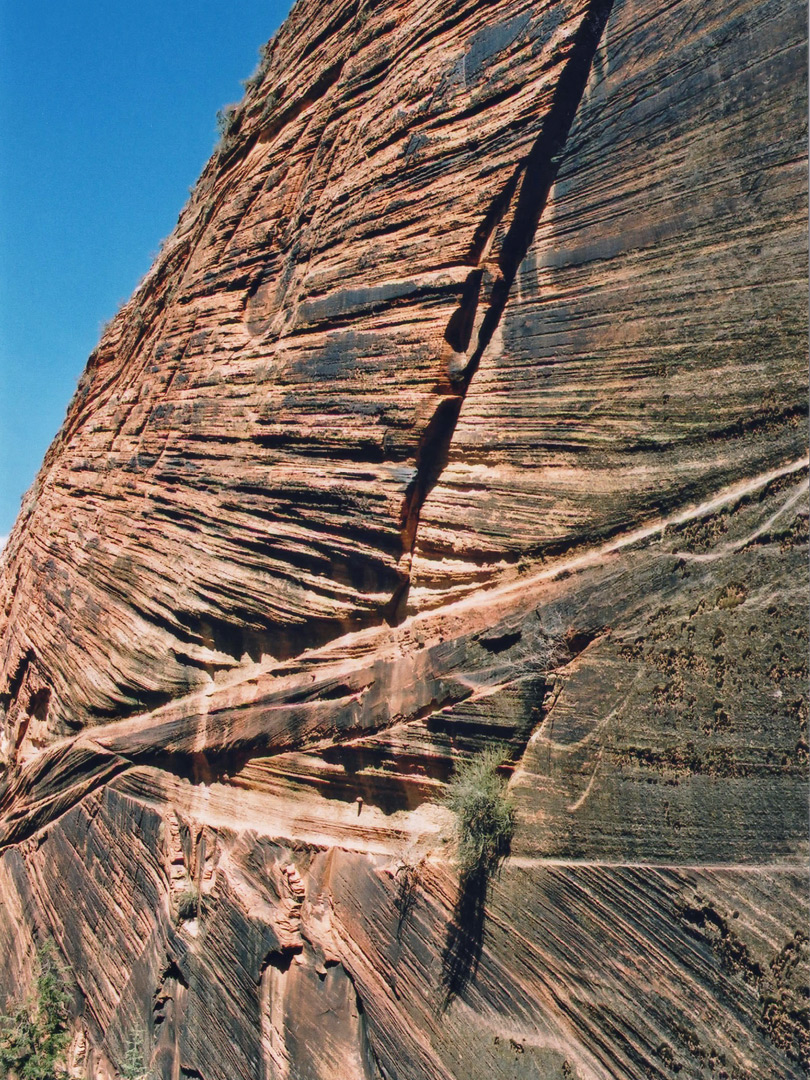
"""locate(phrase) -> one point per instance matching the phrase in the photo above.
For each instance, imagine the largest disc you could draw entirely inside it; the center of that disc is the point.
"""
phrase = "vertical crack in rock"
(489, 284)
(168, 1014)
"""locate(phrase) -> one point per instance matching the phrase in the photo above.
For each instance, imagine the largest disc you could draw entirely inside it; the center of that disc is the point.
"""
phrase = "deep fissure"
(529, 186)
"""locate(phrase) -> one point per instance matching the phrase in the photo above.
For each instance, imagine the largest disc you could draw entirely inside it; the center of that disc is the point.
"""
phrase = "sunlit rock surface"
(465, 405)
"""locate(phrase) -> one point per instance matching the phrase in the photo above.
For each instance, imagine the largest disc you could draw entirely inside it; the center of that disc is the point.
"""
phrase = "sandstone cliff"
(466, 404)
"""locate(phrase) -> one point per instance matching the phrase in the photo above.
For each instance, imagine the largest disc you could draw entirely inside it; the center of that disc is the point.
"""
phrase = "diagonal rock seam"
(45, 785)
(488, 285)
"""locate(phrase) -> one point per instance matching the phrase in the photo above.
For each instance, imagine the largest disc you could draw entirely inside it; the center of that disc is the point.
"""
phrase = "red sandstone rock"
(464, 405)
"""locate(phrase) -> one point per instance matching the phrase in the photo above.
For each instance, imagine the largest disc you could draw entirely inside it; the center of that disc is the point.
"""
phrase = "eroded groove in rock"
(516, 212)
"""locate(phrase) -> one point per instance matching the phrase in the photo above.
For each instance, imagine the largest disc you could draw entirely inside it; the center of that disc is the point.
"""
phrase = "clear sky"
(107, 117)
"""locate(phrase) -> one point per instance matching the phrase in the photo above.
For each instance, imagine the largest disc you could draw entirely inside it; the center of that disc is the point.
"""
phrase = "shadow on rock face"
(465, 934)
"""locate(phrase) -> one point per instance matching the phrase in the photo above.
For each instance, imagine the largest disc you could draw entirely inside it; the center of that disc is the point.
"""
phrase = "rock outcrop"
(466, 405)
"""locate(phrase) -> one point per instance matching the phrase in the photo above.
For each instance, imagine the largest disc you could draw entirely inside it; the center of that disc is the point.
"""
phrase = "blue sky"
(107, 117)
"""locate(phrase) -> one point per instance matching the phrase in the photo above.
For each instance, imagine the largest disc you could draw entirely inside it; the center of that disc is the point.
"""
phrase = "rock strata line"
(256, 717)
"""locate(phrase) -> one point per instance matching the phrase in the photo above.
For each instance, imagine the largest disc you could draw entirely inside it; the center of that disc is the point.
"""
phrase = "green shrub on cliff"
(188, 904)
(34, 1037)
(485, 816)
(133, 1066)
(226, 120)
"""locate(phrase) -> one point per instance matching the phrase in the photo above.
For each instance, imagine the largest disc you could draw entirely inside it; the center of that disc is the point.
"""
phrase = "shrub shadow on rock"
(485, 822)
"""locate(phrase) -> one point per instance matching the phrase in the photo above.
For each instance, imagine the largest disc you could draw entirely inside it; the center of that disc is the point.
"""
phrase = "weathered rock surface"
(466, 404)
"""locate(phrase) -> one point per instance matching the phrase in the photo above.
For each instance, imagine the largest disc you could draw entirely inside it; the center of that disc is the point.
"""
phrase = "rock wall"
(465, 405)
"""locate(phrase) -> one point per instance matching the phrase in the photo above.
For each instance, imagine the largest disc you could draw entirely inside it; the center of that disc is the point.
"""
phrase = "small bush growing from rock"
(226, 120)
(256, 78)
(270, 105)
(485, 816)
(33, 1039)
(188, 904)
(485, 821)
(227, 124)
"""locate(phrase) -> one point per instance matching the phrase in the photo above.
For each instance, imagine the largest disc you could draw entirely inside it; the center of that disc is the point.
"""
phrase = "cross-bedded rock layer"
(463, 406)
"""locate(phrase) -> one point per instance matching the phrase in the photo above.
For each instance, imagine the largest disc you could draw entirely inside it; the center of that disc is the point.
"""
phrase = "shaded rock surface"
(465, 405)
